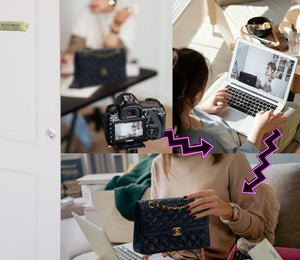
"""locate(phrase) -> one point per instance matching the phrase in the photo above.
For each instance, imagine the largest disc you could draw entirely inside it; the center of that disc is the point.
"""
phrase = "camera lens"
(152, 132)
(130, 113)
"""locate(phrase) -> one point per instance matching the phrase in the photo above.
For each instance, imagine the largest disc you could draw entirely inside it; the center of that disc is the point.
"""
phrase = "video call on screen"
(267, 72)
(127, 130)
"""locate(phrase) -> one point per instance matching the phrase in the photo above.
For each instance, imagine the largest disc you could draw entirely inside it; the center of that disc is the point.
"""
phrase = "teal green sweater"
(131, 186)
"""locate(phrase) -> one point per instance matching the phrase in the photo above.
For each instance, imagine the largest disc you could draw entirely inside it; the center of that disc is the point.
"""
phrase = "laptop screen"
(266, 71)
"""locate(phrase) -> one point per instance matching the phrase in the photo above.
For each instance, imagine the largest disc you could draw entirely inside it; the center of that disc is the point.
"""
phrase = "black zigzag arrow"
(184, 142)
(264, 163)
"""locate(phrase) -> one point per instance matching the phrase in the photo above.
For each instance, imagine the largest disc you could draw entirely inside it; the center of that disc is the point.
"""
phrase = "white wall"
(152, 48)
(257, 61)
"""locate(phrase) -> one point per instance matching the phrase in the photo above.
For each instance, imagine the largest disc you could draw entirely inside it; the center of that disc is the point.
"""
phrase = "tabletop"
(72, 104)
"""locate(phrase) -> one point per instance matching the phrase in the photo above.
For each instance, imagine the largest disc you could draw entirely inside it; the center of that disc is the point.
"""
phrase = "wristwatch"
(114, 30)
(235, 214)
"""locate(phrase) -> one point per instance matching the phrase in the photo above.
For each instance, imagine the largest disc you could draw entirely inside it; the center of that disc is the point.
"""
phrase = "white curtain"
(178, 7)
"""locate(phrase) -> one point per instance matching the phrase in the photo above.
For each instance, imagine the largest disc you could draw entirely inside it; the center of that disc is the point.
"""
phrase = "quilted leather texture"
(154, 228)
(99, 67)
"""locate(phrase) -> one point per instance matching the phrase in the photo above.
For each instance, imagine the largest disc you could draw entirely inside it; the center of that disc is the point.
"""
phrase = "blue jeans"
(81, 130)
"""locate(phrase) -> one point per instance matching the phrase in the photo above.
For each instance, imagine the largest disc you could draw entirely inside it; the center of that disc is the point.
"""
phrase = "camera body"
(129, 122)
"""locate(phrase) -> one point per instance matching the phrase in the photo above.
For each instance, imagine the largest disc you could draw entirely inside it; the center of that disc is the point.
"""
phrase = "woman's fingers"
(202, 207)
(281, 119)
(220, 99)
(280, 114)
(222, 90)
(198, 202)
(204, 213)
(279, 126)
(203, 193)
(223, 94)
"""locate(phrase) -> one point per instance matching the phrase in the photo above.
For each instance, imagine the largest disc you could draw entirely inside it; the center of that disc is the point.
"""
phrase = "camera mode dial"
(112, 109)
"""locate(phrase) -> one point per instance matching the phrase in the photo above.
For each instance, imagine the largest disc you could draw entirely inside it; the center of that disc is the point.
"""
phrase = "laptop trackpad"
(238, 121)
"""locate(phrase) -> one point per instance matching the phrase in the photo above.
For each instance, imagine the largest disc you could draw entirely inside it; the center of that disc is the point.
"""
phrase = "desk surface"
(71, 104)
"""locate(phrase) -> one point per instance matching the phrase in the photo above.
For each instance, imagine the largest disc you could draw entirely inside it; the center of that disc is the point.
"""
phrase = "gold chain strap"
(161, 206)
(86, 53)
(202, 254)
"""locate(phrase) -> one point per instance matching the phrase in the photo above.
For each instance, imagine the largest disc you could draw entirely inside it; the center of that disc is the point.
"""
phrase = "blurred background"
(152, 50)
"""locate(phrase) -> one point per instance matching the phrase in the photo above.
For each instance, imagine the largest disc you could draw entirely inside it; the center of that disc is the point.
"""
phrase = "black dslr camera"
(129, 122)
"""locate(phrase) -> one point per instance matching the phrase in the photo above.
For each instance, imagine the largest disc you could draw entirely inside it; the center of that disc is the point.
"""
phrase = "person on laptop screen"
(190, 74)
(218, 179)
(264, 82)
(99, 25)
(271, 70)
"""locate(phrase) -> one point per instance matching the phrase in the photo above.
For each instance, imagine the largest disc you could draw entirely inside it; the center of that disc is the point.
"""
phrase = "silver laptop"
(99, 242)
(246, 82)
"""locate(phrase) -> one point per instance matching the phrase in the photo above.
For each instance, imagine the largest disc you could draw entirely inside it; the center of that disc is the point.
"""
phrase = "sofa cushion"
(233, 2)
(285, 179)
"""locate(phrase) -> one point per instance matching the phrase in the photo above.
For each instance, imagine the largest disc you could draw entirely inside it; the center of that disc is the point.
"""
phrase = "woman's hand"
(120, 17)
(268, 121)
(66, 60)
(265, 122)
(215, 102)
(273, 76)
(210, 202)
(173, 253)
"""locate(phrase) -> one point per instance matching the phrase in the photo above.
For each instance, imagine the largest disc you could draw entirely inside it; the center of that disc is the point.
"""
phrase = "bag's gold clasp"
(151, 204)
(176, 231)
(103, 72)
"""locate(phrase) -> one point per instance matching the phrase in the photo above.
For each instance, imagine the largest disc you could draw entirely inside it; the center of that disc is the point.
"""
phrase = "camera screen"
(127, 130)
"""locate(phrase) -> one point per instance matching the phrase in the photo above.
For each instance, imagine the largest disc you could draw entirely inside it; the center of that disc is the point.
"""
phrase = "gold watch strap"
(235, 214)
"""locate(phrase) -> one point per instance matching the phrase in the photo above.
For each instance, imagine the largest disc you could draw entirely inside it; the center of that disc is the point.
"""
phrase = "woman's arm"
(76, 43)
(248, 221)
(251, 223)
(113, 39)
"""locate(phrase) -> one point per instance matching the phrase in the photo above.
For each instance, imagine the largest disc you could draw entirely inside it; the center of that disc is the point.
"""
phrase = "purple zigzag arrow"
(203, 147)
(248, 187)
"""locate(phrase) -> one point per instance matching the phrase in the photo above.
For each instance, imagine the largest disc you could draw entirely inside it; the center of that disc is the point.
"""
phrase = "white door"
(29, 116)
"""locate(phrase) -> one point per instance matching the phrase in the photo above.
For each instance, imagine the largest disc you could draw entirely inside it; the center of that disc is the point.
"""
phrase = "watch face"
(235, 213)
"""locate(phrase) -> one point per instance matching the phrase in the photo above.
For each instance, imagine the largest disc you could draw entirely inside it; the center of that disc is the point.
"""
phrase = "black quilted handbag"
(162, 225)
(99, 67)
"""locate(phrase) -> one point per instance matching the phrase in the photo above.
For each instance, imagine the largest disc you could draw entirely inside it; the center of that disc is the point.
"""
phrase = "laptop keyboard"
(126, 254)
(246, 102)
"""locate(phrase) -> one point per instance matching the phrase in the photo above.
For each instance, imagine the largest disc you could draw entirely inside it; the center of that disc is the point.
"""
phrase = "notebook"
(251, 86)
(100, 244)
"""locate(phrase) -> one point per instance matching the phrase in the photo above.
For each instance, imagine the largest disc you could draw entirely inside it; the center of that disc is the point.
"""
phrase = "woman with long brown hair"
(190, 74)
